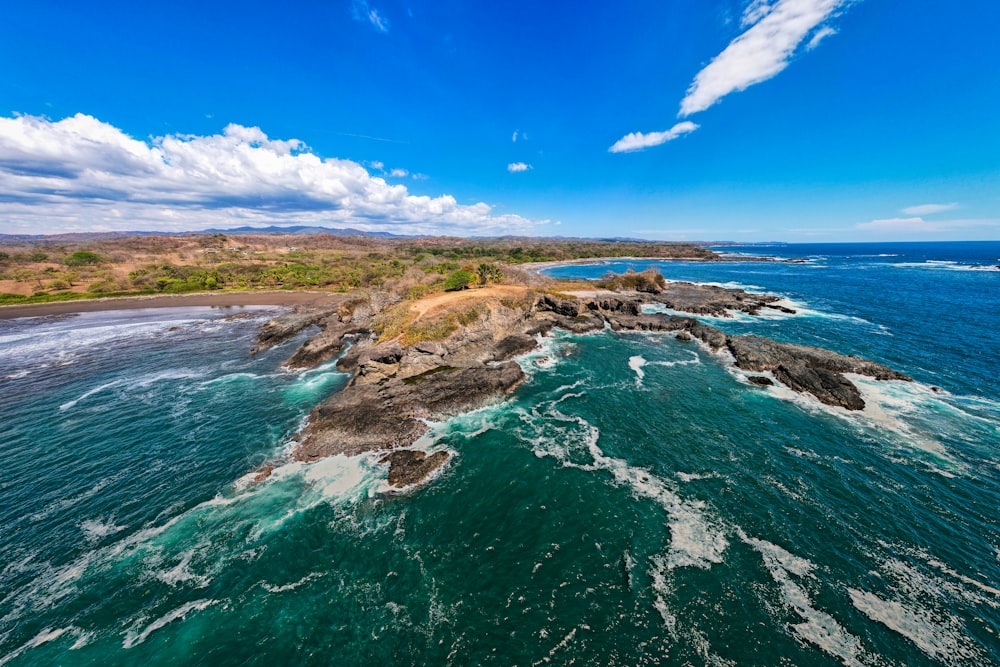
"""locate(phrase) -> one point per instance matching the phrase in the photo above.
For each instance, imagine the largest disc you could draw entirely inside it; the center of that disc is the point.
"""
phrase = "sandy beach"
(268, 298)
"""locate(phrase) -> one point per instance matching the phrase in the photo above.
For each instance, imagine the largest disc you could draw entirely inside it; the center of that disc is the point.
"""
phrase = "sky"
(698, 120)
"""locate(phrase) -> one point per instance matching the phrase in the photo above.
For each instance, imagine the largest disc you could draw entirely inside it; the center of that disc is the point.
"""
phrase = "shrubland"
(59, 268)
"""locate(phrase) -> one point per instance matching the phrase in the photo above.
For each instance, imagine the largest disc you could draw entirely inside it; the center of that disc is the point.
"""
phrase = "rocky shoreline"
(398, 387)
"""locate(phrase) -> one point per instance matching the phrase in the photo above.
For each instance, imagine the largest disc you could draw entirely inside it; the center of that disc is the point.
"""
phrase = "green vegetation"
(57, 269)
(460, 279)
(78, 258)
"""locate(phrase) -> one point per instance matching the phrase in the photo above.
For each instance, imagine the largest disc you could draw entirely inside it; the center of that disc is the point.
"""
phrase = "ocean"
(636, 502)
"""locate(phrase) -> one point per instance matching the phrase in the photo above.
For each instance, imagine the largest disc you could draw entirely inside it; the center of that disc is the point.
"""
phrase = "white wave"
(892, 406)
(231, 377)
(141, 382)
(181, 573)
(946, 265)
(694, 476)
(96, 529)
(695, 540)
(133, 639)
(44, 637)
(545, 356)
(87, 394)
(911, 410)
(940, 637)
(817, 627)
(636, 363)
(927, 583)
(270, 588)
(45, 343)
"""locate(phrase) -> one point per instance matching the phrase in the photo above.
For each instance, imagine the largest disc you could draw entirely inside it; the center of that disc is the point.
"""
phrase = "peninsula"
(433, 358)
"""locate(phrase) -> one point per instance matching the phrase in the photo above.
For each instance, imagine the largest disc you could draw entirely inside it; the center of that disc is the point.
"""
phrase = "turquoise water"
(637, 502)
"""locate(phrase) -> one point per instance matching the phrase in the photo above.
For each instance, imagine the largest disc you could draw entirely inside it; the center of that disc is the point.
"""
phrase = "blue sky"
(746, 120)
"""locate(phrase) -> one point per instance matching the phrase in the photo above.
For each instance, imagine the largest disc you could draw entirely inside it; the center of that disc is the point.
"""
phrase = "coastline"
(535, 267)
(221, 299)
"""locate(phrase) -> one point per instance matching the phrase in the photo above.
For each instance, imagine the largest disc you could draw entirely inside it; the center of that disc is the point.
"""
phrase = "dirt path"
(439, 302)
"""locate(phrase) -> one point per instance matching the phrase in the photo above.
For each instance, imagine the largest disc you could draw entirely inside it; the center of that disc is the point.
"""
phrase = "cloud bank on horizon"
(774, 32)
(83, 174)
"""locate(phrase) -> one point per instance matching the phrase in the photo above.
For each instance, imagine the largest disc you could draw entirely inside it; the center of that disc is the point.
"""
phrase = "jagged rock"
(353, 421)
(514, 345)
(282, 328)
(408, 467)
(565, 307)
(829, 387)
(389, 352)
(714, 300)
(760, 380)
(323, 346)
(581, 323)
(711, 336)
(809, 369)
(430, 347)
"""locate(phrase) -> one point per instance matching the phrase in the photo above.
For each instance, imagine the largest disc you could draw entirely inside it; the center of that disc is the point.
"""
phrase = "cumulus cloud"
(929, 209)
(79, 174)
(398, 173)
(774, 33)
(514, 137)
(636, 141)
(363, 12)
(516, 167)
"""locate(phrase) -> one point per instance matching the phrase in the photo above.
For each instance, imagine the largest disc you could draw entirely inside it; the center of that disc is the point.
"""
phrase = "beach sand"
(268, 298)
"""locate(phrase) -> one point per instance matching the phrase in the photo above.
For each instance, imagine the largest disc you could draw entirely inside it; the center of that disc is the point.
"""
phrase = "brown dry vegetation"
(57, 268)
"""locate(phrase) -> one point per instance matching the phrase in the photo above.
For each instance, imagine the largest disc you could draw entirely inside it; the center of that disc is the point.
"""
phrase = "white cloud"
(363, 12)
(762, 51)
(379, 166)
(79, 173)
(514, 137)
(929, 209)
(515, 167)
(636, 141)
(819, 36)
(917, 225)
(399, 173)
(755, 11)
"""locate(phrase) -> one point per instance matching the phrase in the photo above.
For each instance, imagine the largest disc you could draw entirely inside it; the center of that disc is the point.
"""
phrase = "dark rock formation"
(809, 369)
(408, 467)
(760, 380)
(713, 300)
(397, 388)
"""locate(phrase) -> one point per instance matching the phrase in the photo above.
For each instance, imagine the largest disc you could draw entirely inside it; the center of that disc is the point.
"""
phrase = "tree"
(458, 280)
(83, 258)
(489, 273)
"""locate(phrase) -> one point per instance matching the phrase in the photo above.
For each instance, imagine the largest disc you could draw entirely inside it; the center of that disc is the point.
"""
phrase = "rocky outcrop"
(397, 389)
(714, 300)
(813, 370)
(408, 467)
(286, 326)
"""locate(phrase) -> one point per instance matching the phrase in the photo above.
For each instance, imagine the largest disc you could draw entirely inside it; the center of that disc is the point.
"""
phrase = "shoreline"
(223, 299)
(537, 267)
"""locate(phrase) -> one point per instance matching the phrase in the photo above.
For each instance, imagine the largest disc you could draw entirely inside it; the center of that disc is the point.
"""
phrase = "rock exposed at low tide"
(397, 389)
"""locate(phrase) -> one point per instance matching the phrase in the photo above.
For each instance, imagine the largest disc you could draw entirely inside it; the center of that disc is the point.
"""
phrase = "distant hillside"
(273, 229)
